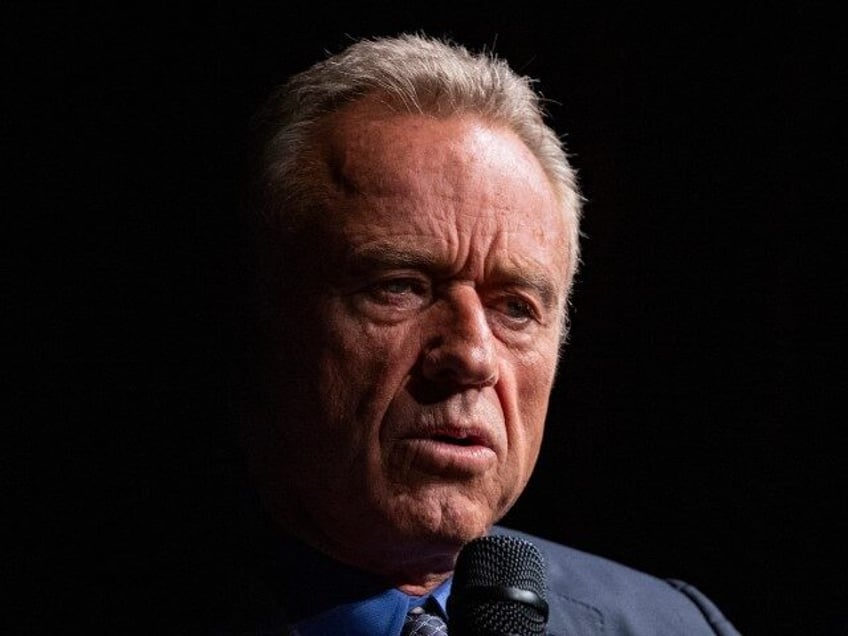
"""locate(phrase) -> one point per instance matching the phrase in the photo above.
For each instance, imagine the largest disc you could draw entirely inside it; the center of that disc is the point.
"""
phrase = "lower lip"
(445, 458)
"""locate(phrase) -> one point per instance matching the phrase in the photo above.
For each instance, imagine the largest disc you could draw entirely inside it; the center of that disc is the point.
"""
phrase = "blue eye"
(517, 308)
(400, 292)
(399, 286)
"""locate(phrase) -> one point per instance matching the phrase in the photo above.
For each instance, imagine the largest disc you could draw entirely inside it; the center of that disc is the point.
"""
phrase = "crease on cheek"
(525, 409)
(365, 366)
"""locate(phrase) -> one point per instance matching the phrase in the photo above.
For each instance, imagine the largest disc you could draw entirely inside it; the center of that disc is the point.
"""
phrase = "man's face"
(413, 411)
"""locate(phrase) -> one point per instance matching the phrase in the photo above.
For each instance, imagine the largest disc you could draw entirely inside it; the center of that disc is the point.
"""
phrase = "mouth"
(461, 438)
(452, 450)
(458, 436)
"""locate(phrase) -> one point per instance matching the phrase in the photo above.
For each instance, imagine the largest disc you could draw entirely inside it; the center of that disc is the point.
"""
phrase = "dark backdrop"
(696, 430)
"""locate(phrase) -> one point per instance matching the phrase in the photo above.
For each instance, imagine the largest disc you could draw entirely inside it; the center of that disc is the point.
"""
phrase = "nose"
(461, 350)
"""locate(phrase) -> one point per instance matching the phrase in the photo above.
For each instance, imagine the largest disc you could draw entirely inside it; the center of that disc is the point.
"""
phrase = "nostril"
(460, 363)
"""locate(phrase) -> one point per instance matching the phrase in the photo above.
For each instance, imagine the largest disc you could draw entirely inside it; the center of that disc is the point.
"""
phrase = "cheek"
(533, 378)
(362, 366)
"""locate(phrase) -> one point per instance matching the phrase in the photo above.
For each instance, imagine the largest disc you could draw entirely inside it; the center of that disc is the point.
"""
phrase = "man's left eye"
(518, 309)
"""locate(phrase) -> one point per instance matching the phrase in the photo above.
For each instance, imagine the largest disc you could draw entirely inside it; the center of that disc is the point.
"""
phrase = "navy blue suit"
(588, 595)
(592, 596)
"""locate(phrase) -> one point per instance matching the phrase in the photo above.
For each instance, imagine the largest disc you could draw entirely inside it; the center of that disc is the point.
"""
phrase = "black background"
(696, 430)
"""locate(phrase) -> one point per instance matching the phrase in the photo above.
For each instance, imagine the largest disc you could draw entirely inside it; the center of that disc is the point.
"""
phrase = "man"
(417, 230)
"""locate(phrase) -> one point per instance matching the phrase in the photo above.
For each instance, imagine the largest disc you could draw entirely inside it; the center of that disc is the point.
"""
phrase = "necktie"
(420, 623)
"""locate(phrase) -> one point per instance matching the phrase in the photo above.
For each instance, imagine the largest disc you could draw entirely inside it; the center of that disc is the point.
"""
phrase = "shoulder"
(589, 594)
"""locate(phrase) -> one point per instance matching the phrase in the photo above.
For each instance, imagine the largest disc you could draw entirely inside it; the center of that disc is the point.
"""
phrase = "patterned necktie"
(419, 623)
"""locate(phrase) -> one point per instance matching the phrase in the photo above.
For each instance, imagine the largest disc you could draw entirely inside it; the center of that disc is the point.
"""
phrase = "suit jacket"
(587, 595)
(592, 596)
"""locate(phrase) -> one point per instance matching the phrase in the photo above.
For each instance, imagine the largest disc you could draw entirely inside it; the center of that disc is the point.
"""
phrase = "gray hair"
(413, 73)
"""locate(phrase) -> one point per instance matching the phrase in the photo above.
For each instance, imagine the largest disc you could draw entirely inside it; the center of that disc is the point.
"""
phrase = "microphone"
(498, 589)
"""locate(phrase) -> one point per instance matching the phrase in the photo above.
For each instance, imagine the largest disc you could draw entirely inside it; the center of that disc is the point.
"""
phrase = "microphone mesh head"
(502, 562)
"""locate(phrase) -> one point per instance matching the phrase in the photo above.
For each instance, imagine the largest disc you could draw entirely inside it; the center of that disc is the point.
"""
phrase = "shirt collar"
(326, 597)
(379, 615)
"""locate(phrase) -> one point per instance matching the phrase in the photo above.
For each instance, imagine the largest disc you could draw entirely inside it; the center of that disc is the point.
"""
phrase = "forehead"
(415, 179)
(368, 144)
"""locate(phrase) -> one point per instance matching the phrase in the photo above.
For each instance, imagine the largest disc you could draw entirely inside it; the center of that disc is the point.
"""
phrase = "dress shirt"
(328, 598)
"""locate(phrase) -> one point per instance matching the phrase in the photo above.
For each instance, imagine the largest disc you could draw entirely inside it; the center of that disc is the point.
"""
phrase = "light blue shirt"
(327, 598)
(379, 615)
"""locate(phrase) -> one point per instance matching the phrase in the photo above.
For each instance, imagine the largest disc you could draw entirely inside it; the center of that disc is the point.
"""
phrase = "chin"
(450, 523)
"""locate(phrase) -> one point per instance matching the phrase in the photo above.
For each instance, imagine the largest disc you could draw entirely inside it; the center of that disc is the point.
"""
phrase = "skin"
(424, 342)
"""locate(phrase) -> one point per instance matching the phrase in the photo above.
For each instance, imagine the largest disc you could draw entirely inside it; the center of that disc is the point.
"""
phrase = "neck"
(416, 569)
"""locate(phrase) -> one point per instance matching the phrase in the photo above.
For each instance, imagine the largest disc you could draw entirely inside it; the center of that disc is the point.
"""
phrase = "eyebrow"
(530, 279)
(388, 256)
(385, 255)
